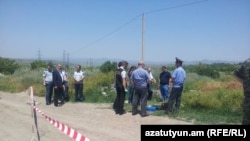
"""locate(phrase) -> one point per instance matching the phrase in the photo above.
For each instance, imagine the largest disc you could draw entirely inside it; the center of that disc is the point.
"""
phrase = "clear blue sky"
(192, 30)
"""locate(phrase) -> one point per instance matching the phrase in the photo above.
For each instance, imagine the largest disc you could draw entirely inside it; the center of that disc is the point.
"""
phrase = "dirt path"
(95, 121)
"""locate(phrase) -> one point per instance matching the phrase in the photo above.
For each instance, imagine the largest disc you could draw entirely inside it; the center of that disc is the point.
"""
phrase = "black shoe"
(116, 112)
(133, 114)
(123, 112)
(48, 103)
(61, 102)
(145, 115)
(120, 112)
(58, 105)
(137, 112)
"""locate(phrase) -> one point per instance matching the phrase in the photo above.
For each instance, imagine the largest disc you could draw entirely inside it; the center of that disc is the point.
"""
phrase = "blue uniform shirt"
(140, 77)
(48, 76)
(179, 75)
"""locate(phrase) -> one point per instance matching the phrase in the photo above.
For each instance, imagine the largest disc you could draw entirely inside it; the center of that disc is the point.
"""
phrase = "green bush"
(38, 65)
(93, 87)
(108, 66)
(206, 70)
(211, 70)
(8, 66)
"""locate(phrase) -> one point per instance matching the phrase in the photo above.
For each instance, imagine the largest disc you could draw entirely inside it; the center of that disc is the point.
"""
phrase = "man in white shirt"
(78, 78)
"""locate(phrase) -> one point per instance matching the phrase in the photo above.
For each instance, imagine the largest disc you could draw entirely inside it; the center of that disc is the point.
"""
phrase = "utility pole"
(68, 60)
(142, 57)
(64, 57)
(39, 55)
(91, 62)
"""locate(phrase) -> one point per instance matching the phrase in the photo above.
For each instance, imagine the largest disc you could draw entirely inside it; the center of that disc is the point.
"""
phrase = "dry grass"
(213, 85)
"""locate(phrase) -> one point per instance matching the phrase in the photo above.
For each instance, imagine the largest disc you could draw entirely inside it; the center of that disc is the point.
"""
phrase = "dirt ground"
(98, 122)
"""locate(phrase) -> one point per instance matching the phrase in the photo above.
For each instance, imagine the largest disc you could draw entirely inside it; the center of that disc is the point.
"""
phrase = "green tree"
(8, 66)
(37, 64)
(108, 66)
(207, 70)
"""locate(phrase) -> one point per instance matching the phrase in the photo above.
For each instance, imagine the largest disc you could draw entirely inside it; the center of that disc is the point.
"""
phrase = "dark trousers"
(49, 91)
(119, 101)
(66, 91)
(140, 97)
(58, 94)
(79, 92)
(150, 91)
(131, 93)
(175, 98)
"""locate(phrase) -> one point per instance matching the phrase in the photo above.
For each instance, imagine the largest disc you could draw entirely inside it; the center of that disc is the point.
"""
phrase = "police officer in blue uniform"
(178, 80)
(48, 83)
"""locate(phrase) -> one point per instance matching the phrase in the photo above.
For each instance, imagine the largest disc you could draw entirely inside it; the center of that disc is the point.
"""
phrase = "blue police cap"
(178, 60)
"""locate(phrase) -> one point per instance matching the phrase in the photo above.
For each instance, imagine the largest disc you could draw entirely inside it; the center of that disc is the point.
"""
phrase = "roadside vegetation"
(211, 94)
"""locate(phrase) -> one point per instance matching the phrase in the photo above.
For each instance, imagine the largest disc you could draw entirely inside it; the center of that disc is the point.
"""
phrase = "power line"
(173, 7)
(109, 34)
(136, 17)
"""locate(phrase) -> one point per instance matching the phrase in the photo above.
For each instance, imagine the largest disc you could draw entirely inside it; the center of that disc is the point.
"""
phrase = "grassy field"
(205, 100)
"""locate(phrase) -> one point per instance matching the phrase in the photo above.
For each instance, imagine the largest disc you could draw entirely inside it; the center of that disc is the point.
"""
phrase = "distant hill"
(100, 61)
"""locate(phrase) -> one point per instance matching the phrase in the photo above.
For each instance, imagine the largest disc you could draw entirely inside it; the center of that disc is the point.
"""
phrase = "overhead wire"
(133, 19)
(110, 33)
(173, 7)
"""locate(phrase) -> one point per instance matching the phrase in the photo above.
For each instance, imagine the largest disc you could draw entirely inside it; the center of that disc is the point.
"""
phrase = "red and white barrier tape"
(64, 128)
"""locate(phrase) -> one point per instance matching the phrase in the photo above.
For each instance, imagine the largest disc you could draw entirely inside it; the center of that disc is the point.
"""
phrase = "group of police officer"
(58, 80)
(55, 80)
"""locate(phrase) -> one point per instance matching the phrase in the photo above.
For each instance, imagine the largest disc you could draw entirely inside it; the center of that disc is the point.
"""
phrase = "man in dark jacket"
(121, 87)
(58, 85)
